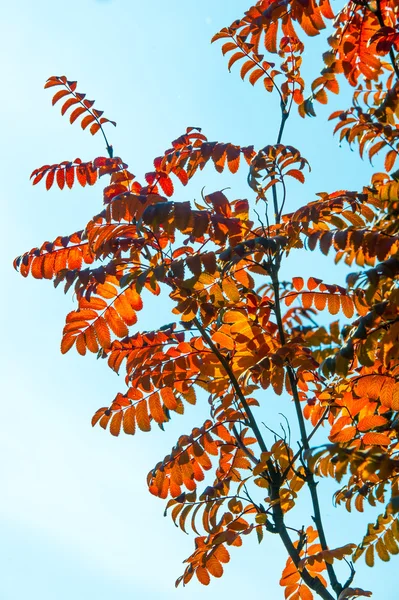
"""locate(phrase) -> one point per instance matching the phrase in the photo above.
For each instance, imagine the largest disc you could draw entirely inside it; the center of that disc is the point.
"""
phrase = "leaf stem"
(108, 146)
(284, 116)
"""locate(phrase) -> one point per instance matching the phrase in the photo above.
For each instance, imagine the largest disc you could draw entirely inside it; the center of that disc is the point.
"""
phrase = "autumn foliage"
(238, 328)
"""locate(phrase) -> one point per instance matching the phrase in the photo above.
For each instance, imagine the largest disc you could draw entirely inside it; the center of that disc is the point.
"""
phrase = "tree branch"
(379, 16)
(313, 582)
(312, 484)
(235, 384)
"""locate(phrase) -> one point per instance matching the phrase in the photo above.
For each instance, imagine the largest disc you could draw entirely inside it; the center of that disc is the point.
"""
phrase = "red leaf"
(50, 179)
(68, 105)
(166, 184)
(60, 178)
(76, 113)
(53, 81)
(69, 176)
(94, 128)
(86, 121)
(59, 95)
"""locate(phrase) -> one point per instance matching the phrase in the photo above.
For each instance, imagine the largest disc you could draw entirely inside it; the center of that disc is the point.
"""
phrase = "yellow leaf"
(261, 518)
(230, 290)
(370, 556)
(234, 316)
(382, 551)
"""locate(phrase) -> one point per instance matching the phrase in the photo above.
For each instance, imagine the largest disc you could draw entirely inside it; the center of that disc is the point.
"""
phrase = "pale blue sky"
(75, 515)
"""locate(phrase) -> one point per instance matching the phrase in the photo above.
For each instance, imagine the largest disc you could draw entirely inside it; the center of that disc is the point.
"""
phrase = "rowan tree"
(239, 329)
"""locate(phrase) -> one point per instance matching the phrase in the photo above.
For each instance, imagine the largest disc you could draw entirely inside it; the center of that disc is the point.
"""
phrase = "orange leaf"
(296, 174)
(223, 340)
(307, 299)
(125, 310)
(390, 160)
(298, 282)
(91, 340)
(222, 554)
(313, 283)
(334, 303)
(345, 435)
(255, 76)
(142, 418)
(203, 576)
(247, 66)
(228, 47)
(320, 301)
(376, 439)
(236, 56)
(102, 332)
(305, 593)
(81, 344)
(371, 422)
(347, 306)
(155, 407)
(129, 421)
(67, 342)
(214, 567)
(104, 420)
(116, 422)
(168, 398)
(98, 414)
(115, 322)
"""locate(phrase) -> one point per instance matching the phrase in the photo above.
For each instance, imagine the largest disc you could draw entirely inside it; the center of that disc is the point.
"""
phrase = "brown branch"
(301, 449)
(243, 447)
(313, 582)
(284, 116)
(224, 362)
(312, 484)
(380, 18)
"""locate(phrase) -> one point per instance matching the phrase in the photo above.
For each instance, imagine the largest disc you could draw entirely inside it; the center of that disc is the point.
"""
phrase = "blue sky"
(76, 518)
